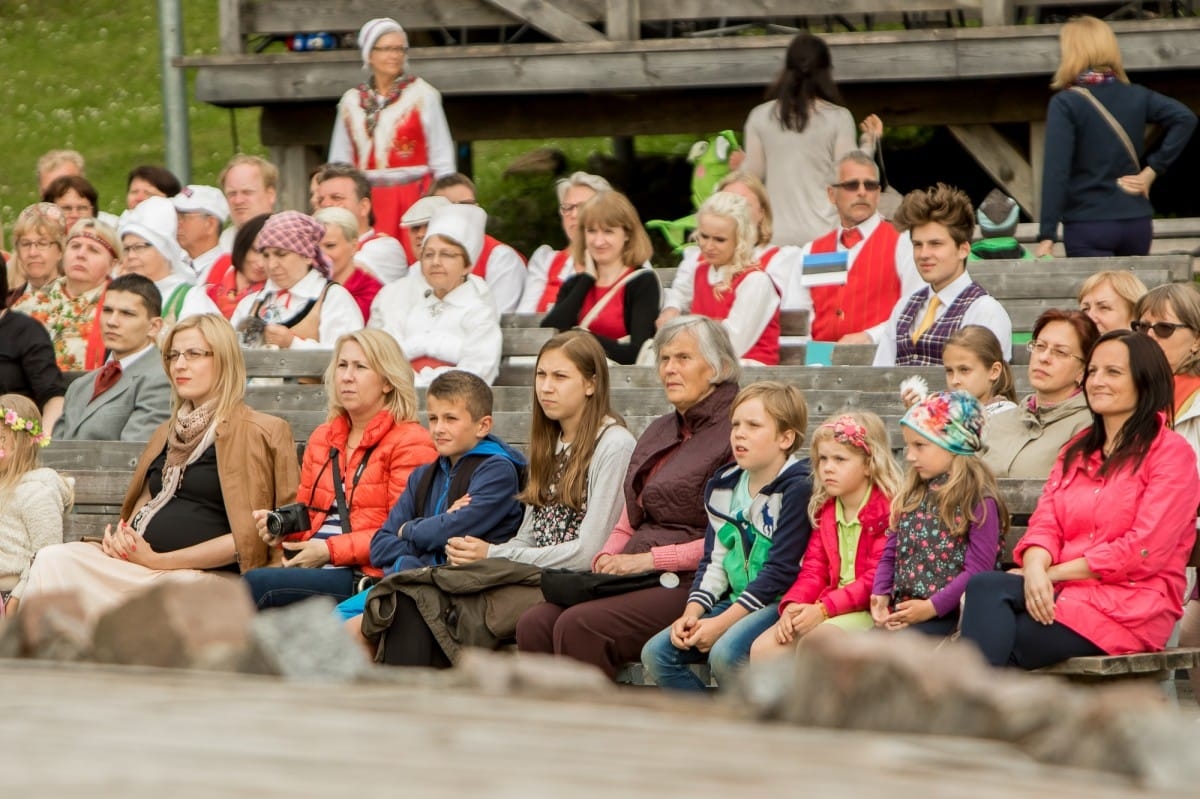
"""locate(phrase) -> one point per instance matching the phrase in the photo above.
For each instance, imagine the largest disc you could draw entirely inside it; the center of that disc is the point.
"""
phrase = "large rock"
(51, 626)
(904, 684)
(307, 641)
(202, 625)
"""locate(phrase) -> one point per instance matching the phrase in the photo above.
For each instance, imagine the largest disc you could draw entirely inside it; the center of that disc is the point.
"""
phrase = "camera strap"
(339, 490)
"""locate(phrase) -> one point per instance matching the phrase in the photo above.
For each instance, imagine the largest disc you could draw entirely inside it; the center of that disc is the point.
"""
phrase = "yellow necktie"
(928, 319)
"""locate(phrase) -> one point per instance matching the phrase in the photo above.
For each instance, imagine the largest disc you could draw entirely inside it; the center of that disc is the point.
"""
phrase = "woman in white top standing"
(793, 141)
(444, 317)
(299, 307)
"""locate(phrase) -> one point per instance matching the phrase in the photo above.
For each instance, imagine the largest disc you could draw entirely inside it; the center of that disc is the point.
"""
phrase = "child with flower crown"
(855, 478)
(33, 499)
(947, 522)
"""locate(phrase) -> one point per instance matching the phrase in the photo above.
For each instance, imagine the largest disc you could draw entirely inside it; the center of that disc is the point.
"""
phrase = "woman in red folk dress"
(730, 285)
(392, 127)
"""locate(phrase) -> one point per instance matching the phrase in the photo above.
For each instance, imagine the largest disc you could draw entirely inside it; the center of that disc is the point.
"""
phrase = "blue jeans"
(668, 666)
(276, 586)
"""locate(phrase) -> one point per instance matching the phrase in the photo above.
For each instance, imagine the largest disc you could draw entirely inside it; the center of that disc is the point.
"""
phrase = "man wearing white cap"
(202, 211)
(392, 126)
(342, 186)
(416, 218)
(149, 234)
(443, 316)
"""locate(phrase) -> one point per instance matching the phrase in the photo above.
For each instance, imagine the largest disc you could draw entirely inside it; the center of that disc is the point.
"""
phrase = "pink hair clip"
(849, 432)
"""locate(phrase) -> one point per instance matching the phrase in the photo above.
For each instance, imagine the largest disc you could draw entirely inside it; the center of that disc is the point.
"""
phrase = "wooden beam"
(1000, 159)
(229, 26)
(1037, 162)
(549, 19)
(622, 19)
(295, 162)
(998, 12)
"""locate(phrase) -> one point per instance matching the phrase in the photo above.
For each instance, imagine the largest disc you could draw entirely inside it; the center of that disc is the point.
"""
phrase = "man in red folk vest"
(341, 185)
(499, 264)
(857, 272)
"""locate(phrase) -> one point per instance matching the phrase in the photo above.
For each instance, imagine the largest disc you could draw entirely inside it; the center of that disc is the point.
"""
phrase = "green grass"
(85, 76)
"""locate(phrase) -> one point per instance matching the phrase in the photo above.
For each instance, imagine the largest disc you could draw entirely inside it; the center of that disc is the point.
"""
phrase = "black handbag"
(565, 588)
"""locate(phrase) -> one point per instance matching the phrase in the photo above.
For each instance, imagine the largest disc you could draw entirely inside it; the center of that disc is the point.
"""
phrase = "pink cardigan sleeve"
(676, 557)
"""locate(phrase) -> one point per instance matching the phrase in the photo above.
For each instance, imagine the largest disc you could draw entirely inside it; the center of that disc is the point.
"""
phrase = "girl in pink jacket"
(855, 478)
(1102, 563)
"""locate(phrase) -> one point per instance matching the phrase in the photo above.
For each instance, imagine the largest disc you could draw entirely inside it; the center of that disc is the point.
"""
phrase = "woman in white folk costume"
(299, 307)
(392, 127)
(443, 316)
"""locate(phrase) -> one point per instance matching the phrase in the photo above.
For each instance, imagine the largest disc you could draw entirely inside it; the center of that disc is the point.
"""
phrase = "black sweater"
(642, 300)
(1084, 156)
(27, 364)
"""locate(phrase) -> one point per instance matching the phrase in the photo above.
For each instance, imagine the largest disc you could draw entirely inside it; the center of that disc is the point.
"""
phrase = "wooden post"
(622, 20)
(998, 12)
(1037, 160)
(230, 27)
(1000, 159)
(295, 162)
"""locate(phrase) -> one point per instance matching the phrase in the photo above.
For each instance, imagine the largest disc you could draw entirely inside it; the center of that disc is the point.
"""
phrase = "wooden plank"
(998, 12)
(1037, 163)
(229, 26)
(1178, 267)
(622, 19)
(549, 18)
(286, 363)
(525, 341)
(1008, 167)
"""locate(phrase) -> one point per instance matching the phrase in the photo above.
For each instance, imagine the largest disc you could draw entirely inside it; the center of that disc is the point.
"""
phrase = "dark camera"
(288, 519)
(250, 331)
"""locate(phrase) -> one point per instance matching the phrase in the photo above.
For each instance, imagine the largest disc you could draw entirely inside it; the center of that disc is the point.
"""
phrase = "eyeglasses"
(566, 209)
(1040, 348)
(430, 256)
(188, 355)
(852, 185)
(27, 244)
(1161, 330)
(76, 209)
(138, 249)
(390, 50)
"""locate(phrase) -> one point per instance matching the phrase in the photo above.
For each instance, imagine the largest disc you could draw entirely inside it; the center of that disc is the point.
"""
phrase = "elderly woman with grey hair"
(548, 268)
(662, 528)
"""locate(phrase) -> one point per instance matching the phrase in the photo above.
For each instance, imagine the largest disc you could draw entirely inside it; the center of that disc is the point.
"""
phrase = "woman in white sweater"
(443, 316)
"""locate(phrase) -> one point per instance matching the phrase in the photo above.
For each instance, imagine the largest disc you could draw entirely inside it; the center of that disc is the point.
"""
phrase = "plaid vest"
(928, 349)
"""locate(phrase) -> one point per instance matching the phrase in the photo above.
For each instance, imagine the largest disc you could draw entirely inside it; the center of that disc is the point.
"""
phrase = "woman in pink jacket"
(1102, 563)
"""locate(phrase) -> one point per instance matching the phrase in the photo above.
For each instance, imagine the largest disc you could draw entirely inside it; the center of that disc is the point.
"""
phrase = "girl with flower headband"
(856, 478)
(33, 499)
(947, 522)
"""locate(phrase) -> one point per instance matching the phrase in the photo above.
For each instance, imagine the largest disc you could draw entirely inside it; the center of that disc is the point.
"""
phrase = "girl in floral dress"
(947, 522)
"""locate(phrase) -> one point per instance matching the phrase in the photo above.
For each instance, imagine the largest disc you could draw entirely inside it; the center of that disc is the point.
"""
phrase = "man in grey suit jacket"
(130, 396)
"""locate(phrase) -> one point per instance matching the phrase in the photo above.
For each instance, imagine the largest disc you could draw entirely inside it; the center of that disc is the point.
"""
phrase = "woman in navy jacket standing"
(1097, 175)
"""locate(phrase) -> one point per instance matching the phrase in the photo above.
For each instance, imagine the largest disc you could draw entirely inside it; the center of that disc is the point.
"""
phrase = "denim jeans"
(276, 586)
(668, 666)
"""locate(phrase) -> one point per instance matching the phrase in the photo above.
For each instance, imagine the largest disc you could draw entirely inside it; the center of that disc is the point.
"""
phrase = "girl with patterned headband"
(947, 522)
(855, 478)
(33, 499)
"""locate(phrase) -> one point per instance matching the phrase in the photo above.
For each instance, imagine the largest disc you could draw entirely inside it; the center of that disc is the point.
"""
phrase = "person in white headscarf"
(443, 316)
(392, 127)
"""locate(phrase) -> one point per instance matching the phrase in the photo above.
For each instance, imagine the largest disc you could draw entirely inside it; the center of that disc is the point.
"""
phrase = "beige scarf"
(192, 432)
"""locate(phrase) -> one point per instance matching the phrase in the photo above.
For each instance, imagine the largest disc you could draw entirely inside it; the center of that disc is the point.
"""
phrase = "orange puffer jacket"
(396, 449)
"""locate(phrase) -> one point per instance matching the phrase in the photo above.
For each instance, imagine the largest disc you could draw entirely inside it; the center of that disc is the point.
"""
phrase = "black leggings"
(995, 618)
(408, 641)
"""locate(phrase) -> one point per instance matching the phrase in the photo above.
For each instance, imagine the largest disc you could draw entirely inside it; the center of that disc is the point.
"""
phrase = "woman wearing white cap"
(392, 127)
(149, 236)
(299, 307)
(444, 317)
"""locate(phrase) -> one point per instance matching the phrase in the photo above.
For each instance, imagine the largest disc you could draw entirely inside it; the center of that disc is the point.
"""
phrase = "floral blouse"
(68, 320)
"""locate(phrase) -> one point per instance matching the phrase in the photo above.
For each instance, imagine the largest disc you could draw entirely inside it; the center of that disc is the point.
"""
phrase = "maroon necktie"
(851, 237)
(108, 376)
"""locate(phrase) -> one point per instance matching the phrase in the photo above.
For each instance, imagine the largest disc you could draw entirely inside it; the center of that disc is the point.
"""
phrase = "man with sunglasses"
(855, 273)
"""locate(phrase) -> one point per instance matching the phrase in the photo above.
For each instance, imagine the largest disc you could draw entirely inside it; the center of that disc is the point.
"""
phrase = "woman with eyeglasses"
(548, 268)
(1025, 442)
(392, 127)
(38, 236)
(443, 316)
(187, 516)
(794, 140)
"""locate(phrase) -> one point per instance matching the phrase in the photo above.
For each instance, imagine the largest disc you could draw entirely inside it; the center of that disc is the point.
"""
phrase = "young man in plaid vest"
(940, 221)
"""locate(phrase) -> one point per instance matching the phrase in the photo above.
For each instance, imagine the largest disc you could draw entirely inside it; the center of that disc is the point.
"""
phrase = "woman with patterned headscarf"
(299, 307)
(392, 127)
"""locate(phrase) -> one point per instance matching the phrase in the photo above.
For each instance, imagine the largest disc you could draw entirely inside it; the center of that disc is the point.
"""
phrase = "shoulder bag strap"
(590, 316)
(339, 492)
(1112, 123)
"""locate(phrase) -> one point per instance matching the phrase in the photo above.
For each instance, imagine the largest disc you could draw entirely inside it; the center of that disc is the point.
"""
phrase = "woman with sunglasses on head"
(392, 127)
(187, 516)
(1026, 441)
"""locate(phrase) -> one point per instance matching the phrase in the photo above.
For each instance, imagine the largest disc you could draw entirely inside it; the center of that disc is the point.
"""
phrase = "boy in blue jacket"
(470, 489)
